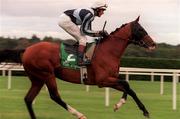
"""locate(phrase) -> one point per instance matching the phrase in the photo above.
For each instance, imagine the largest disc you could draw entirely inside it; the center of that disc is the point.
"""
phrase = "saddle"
(69, 52)
(69, 55)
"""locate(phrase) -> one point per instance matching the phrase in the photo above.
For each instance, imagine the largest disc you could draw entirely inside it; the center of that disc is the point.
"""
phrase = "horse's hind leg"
(32, 93)
(52, 87)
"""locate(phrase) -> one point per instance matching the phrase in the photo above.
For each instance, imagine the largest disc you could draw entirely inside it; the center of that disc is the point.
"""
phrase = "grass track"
(90, 103)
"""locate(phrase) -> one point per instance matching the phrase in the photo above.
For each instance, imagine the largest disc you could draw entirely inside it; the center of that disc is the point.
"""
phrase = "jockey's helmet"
(100, 4)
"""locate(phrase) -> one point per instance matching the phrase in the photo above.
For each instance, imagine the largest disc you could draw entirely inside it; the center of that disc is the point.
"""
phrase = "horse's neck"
(109, 52)
(115, 44)
(114, 47)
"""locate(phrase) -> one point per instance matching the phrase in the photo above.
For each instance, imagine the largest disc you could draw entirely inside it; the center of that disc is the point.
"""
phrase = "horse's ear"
(137, 20)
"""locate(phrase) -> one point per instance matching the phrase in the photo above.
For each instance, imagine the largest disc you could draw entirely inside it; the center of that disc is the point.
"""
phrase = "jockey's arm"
(86, 26)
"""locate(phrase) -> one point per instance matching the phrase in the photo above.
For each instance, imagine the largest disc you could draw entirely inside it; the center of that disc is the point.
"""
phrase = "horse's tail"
(11, 55)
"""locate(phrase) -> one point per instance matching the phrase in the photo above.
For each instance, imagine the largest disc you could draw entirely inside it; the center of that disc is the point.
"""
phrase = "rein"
(98, 41)
(135, 29)
(119, 38)
(131, 39)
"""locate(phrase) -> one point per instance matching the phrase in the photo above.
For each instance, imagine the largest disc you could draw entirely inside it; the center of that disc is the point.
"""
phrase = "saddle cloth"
(69, 54)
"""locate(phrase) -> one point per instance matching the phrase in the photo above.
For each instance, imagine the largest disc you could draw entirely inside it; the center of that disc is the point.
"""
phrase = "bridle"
(138, 40)
(138, 35)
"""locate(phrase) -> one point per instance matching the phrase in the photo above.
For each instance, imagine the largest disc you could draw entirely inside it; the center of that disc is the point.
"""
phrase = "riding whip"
(104, 25)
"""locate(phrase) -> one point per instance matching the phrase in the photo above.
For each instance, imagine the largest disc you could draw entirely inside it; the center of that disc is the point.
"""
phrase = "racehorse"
(41, 62)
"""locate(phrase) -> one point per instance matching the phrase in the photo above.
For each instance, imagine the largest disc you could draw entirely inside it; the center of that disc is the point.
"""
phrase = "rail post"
(9, 79)
(87, 88)
(174, 91)
(127, 76)
(106, 97)
(152, 76)
(3, 72)
(162, 85)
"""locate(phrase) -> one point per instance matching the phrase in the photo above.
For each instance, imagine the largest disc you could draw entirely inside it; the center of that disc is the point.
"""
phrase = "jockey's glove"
(103, 33)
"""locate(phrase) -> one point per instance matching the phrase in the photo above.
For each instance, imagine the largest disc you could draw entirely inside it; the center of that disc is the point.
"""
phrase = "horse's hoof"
(115, 107)
(146, 114)
(83, 117)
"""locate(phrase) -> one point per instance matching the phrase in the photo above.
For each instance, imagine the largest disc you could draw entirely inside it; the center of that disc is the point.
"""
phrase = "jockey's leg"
(81, 52)
(71, 28)
(66, 24)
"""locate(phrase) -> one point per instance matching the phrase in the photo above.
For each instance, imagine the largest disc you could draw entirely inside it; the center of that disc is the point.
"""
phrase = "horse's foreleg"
(121, 102)
(123, 85)
(113, 83)
(32, 93)
(52, 87)
(129, 91)
(139, 103)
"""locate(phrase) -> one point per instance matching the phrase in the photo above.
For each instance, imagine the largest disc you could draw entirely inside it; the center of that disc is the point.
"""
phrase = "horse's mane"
(117, 29)
(112, 33)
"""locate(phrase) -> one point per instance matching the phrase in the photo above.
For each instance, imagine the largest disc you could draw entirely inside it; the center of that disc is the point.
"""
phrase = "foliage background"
(165, 56)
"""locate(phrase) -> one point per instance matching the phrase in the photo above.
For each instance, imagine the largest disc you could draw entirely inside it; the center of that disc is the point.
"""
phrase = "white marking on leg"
(119, 104)
(75, 113)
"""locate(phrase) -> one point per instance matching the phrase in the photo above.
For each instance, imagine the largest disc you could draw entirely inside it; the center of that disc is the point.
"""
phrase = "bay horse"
(41, 62)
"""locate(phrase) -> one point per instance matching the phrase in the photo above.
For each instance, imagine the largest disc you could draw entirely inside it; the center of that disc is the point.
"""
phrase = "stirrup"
(84, 63)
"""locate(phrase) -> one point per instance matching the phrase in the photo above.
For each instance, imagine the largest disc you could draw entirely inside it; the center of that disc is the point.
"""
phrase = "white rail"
(9, 67)
(175, 73)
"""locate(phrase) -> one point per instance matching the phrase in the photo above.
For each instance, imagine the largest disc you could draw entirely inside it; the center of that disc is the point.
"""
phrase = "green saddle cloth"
(69, 53)
(69, 56)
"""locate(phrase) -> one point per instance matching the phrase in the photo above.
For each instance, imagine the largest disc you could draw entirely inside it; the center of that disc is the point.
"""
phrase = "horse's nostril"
(152, 48)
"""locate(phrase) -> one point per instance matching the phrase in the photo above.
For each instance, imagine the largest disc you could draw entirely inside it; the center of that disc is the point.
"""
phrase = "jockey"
(83, 17)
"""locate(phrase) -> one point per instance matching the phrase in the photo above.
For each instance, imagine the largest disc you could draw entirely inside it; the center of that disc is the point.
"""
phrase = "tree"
(48, 39)
(34, 39)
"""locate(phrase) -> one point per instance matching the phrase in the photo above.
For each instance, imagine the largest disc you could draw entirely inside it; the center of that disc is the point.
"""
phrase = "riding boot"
(81, 60)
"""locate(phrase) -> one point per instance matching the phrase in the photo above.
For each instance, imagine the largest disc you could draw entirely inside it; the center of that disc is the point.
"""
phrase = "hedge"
(144, 62)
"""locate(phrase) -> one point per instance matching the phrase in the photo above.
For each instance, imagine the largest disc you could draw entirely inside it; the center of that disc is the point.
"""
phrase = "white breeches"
(71, 28)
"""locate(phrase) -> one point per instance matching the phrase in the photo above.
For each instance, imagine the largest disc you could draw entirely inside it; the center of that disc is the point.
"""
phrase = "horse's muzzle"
(149, 43)
(152, 48)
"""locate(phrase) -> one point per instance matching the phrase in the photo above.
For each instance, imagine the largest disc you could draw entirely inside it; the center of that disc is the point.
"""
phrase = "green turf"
(89, 103)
